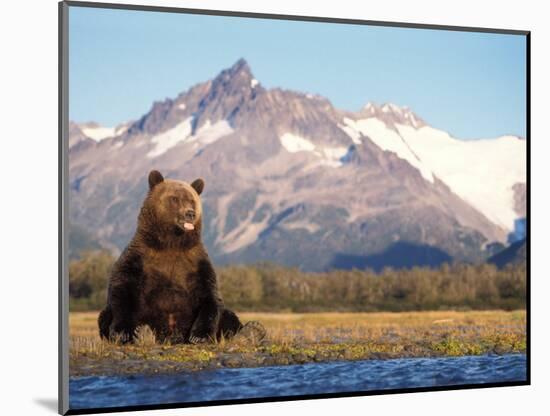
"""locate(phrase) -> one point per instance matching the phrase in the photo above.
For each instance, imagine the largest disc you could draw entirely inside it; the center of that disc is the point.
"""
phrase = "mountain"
(515, 254)
(293, 180)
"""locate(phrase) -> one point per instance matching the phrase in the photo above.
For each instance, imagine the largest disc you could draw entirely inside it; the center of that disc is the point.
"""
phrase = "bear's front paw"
(198, 340)
(124, 334)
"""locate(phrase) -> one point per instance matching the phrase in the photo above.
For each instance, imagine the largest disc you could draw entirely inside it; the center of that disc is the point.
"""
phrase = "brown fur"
(164, 277)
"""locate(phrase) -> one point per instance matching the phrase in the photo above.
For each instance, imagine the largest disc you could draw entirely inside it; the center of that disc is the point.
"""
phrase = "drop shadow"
(49, 404)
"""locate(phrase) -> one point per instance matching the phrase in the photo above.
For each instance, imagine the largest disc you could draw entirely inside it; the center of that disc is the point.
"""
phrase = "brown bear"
(164, 278)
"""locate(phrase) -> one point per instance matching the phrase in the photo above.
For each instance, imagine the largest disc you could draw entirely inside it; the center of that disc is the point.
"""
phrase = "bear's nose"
(189, 215)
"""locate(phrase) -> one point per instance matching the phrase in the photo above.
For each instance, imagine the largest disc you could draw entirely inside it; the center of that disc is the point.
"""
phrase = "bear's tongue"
(188, 226)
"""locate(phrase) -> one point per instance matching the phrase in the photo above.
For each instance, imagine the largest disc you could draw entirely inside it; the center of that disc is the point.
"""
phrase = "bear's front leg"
(206, 324)
(123, 307)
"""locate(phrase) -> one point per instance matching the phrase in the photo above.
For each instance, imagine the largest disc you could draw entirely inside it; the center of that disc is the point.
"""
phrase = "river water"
(331, 377)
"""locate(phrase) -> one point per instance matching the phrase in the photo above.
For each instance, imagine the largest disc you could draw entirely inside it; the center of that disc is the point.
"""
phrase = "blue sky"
(470, 84)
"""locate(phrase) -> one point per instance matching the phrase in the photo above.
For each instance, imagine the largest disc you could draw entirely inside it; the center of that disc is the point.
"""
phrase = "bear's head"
(172, 212)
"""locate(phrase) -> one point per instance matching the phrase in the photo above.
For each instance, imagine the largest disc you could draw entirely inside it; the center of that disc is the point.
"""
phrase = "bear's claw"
(198, 340)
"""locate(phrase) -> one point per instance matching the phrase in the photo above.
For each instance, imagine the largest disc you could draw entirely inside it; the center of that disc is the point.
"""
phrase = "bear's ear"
(155, 178)
(198, 185)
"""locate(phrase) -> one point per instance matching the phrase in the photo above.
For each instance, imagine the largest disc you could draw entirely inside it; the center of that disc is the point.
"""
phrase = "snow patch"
(99, 133)
(207, 134)
(334, 156)
(171, 137)
(245, 234)
(182, 106)
(293, 143)
(482, 172)
(351, 130)
(390, 141)
(330, 156)
(121, 129)
(411, 119)
(335, 152)
(331, 163)
(254, 82)
(311, 227)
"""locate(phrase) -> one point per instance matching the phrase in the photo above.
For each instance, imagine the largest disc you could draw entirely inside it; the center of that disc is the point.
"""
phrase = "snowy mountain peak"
(239, 73)
(241, 66)
(391, 108)
(369, 106)
(392, 114)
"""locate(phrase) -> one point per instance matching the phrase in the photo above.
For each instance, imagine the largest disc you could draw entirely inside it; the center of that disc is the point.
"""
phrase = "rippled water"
(332, 377)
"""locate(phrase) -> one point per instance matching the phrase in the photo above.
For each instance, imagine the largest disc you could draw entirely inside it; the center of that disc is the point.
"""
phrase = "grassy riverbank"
(294, 338)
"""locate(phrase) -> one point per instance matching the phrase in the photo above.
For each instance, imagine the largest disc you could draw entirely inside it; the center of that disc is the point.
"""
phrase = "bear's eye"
(174, 199)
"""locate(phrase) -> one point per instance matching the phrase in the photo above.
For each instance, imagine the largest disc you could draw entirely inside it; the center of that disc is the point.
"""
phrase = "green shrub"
(269, 287)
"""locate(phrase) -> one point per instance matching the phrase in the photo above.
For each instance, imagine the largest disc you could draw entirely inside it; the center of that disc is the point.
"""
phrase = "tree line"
(270, 287)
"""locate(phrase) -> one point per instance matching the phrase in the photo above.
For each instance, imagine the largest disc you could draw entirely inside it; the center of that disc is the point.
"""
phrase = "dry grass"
(307, 337)
(324, 327)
